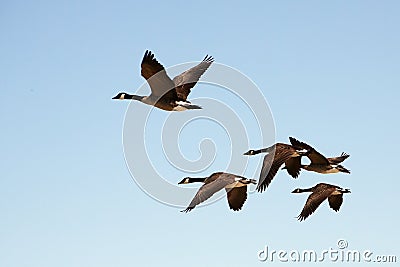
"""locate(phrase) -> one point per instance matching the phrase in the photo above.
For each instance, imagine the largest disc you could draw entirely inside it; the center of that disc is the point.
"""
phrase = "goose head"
(250, 153)
(297, 190)
(120, 96)
(300, 190)
(186, 180)
(123, 95)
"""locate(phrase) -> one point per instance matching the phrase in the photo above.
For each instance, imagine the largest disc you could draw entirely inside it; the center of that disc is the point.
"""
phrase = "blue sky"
(328, 70)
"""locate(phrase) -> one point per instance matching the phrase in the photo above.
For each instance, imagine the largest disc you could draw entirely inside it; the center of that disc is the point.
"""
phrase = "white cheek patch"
(122, 97)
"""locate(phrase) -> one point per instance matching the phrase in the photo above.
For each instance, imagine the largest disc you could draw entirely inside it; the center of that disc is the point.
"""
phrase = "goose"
(320, 192)
(167, 94)
(235, 186)
(278, 154)
(320, 163)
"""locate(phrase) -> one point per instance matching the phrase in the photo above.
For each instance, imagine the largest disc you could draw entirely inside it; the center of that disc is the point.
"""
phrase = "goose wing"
(209, 189)
(236, 197)
(335, 201)
(156, 76)
(188, 79)
(314, 200)
(315, 157)
(272, 163)
(337, 160)
(293, 166)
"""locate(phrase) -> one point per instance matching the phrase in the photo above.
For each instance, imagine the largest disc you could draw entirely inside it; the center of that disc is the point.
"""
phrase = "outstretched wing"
(209, 189)
(313, 202)
(156, 76)
(272, 163)
(293, 166)
(315, 157)
(335, 201)
(337, 160)
(188, 79)
(236, 197)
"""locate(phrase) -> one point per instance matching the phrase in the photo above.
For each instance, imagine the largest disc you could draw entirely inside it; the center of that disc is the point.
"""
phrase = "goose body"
(319, 193)
(235, 186)
(278, 155)
(319, 163)
(167, 94)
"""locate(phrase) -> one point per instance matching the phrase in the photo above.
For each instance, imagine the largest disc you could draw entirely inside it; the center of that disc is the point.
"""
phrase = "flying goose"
(168, 94)
(320, 163)
(235, 186)
(278, 154)
(320, 192)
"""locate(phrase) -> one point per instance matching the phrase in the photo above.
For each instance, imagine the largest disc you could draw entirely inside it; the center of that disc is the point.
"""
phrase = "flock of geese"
(171, 95)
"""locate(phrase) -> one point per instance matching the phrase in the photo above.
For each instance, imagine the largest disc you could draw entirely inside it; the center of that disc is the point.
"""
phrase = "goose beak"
(115, 97)
(247, 153)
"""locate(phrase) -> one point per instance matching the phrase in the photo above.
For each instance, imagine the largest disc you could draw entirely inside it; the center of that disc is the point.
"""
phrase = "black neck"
(134, 97)
(264, 150)
(196, 180)
(306, 190)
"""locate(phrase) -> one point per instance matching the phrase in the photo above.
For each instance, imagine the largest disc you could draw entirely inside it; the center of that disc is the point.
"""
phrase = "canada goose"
(320, 163)
(320, 192)
(278, 154)
(168, 94)
(235, 186)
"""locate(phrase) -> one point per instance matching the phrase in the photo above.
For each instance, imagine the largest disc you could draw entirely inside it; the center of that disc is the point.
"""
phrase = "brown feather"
(161, 85)
(293, 166)
(272, 163)
(185, 81)
(315, 157)
(217, 181)
(320, 193)
(337, 160)
(236, 197)
(335, 201)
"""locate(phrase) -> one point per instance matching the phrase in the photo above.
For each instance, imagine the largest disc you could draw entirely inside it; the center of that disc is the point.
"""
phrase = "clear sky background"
(328, 69)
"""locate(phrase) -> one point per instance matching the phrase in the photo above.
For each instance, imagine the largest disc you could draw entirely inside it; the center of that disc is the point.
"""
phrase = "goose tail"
(342, 169)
